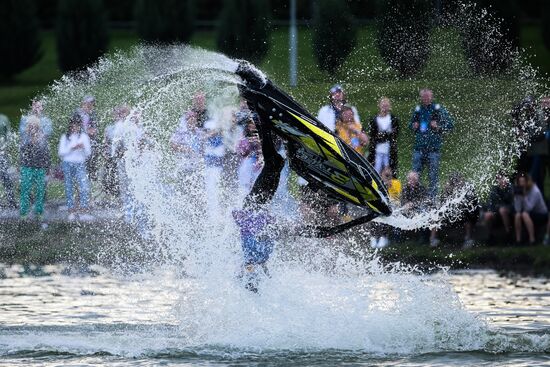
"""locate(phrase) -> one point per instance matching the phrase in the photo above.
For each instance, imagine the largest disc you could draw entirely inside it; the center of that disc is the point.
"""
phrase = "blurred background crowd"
(92, 166)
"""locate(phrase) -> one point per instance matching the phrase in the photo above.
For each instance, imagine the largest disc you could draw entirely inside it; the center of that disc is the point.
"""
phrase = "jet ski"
(314, 152)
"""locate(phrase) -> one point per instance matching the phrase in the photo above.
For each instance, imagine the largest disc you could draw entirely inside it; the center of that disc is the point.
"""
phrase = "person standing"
(545, 162)
(74, 150)
(383, 130)
(4, 161)
(249, 149)
(429, 122)
(34, 161)
(214, 152)
(110, 178)
(331, 113)
(90, 128)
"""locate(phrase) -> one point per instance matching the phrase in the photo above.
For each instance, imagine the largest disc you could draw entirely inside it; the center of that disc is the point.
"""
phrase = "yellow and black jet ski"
(314, 152)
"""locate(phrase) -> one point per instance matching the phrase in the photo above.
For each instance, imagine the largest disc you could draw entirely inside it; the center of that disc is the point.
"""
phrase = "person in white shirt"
(74, 149)
(383, 130)
(330, 113)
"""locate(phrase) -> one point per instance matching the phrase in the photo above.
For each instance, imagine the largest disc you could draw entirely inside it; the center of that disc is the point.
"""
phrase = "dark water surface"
(51, 316)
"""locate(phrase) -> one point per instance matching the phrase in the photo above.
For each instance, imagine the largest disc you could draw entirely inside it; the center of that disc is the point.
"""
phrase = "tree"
(334, 34)
(81, 33)
(546, 24)
(244, 28)
(403, 34)
(490, 40)
(165, 21)
(19, 39)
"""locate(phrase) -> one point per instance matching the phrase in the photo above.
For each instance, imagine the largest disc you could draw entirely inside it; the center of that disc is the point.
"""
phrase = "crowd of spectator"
(80, 151)
(88, 155)
(519, 208)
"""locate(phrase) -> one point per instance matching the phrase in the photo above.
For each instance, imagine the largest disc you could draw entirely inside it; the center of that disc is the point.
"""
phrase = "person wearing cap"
(90, 127)
(429, 122)
(331, 113)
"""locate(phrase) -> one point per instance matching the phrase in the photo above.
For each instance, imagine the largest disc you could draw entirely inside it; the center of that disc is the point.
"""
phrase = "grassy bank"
(108, 243)
(532, 260)
(100, 242)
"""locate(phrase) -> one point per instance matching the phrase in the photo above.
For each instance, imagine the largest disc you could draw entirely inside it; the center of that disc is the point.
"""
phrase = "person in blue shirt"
(430, 121)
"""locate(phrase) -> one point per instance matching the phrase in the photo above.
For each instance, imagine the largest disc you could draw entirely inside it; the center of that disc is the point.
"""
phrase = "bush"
(81, 33)
(244, 29)
(19, 39)
(165, 21)
(334, 34)
(489, 41)
(403, 34)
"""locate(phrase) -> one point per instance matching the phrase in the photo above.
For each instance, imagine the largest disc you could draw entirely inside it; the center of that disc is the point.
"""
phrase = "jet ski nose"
(252, 77)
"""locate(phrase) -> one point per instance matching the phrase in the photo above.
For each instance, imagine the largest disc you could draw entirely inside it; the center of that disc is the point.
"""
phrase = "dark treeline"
(243, 28)
(209, 10)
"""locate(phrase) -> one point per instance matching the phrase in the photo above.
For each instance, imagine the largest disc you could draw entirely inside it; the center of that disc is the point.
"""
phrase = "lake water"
(54, 316)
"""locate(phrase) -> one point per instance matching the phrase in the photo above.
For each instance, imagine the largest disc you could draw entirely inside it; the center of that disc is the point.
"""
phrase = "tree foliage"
(19, 37)
(82, 33)
(244, 29)
(334, 34)
(491, 35)
(403, 34)
(546, 24)
(165, 21)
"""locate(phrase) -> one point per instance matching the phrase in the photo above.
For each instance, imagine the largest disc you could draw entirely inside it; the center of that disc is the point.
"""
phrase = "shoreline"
(107, 242)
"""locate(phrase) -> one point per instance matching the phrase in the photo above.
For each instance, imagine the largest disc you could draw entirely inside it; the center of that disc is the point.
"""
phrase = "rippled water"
(51, 316)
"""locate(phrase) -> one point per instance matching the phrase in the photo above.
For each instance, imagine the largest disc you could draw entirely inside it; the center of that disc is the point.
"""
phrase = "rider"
(254, 219)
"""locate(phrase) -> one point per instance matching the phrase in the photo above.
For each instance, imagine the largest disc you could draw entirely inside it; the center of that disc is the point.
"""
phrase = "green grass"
(364, 75)
(532, 260)
(313, 84)
(539, 55)
(16, 94)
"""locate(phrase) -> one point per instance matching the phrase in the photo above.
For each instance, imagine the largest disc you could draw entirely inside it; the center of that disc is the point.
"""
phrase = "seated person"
(415, 195)
(463, 212)
(530, 208)
(499, 204)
